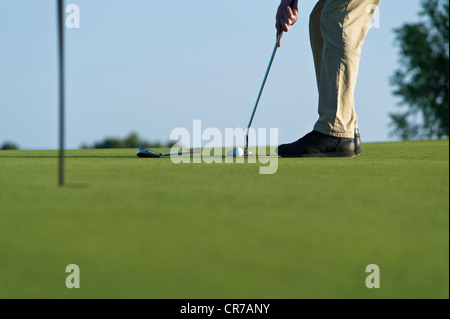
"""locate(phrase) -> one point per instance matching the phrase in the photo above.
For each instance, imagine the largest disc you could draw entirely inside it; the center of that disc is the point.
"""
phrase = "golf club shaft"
(261, 90)
(262, 86)
(191, 151)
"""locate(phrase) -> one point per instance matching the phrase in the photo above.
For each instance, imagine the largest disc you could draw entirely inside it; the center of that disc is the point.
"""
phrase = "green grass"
(147, 228)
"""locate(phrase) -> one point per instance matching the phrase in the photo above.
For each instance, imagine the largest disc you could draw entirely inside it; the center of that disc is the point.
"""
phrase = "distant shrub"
(8, 146)
(131, 141)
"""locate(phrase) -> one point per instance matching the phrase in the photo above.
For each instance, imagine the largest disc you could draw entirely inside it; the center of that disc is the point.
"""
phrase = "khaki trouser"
(337, 30)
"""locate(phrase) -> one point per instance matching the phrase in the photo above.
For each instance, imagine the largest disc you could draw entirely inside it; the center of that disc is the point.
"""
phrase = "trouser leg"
(344, 25)
(315, 36)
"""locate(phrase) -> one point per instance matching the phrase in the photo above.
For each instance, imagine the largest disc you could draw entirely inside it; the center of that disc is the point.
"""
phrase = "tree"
(131, 141)
(8, 146)
(423, 79)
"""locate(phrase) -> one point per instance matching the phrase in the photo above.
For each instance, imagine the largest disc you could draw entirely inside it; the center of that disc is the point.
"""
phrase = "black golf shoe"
(358, 149)
(316, 144)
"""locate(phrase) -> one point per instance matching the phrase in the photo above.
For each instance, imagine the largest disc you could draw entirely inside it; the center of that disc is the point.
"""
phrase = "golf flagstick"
(246, 152)
(61, 89)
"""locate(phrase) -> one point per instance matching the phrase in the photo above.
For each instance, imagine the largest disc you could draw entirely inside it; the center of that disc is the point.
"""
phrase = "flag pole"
(61, 100)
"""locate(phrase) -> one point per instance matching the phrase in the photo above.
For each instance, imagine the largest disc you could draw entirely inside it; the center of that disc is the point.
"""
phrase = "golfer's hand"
(286, 16)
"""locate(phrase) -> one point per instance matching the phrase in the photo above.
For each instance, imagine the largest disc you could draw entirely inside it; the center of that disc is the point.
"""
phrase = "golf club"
(246, 151)
(146, 153)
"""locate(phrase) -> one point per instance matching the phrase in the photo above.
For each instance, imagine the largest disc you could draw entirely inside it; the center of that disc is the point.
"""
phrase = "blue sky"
(150, 66)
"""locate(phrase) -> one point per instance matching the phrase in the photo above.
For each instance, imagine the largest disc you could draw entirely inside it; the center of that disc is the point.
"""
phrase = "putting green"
(147, 228)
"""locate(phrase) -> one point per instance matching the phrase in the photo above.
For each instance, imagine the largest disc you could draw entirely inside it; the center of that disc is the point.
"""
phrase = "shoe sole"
(322, 155)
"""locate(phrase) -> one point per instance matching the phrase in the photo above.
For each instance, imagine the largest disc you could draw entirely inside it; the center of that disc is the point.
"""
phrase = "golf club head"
(146, 153)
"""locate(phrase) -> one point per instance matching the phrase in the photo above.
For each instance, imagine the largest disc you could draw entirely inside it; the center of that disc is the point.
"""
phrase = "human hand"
(286, 17)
